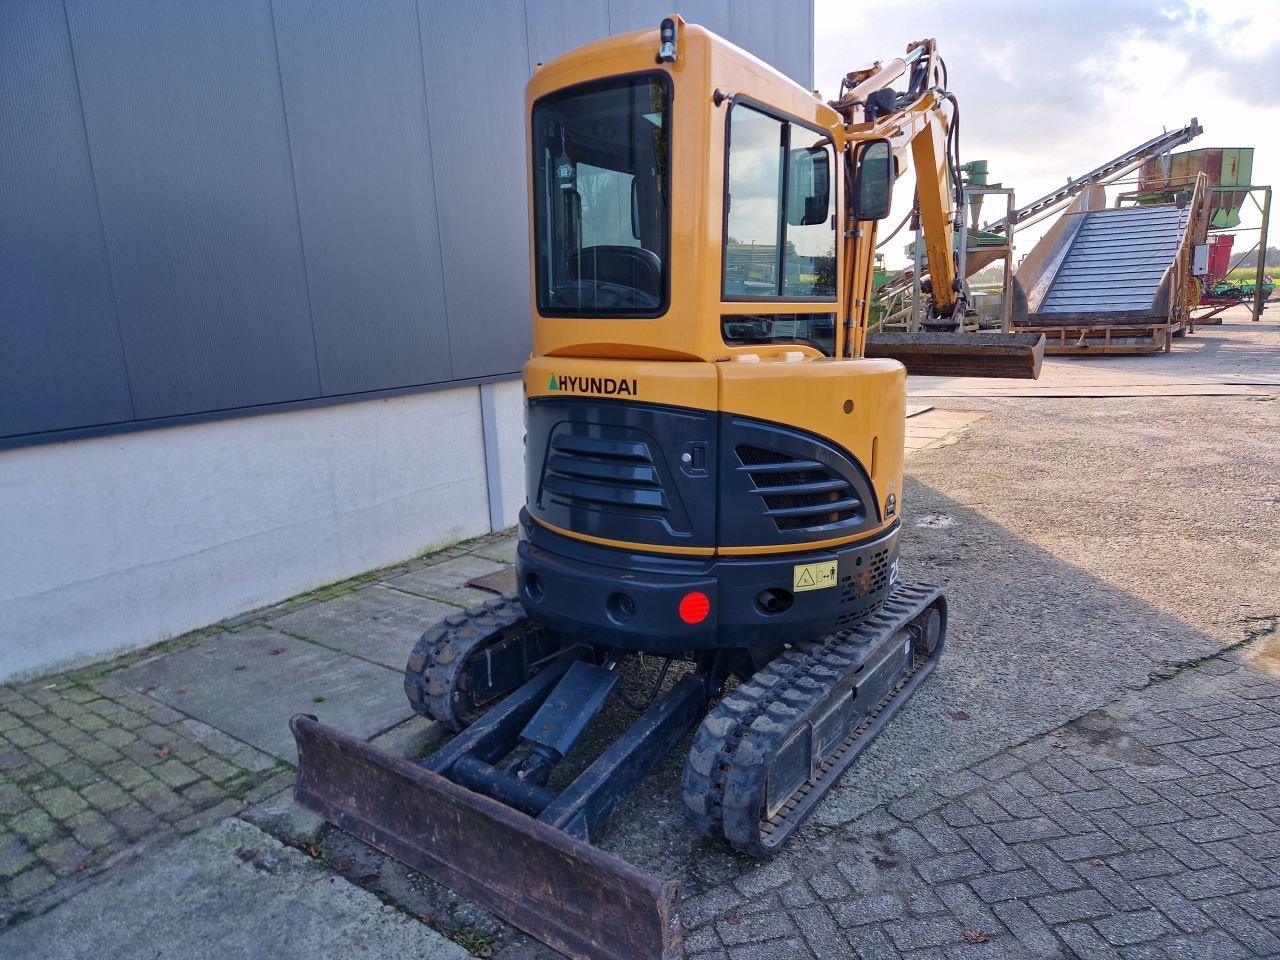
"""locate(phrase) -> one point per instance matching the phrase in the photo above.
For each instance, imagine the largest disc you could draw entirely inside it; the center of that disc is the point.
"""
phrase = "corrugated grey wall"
(219, 208)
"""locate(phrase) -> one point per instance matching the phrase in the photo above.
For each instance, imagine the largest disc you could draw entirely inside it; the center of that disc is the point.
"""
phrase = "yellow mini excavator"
(714, 479)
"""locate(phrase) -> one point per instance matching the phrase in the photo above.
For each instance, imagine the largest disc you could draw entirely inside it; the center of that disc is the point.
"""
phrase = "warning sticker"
(815, 576)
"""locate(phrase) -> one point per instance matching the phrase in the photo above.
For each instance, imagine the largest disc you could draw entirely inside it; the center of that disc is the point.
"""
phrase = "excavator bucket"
(582, 901)
(1009, 355)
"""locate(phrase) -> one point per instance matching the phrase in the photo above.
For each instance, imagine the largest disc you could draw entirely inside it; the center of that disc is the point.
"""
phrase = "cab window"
(780, 238)
(601, 198)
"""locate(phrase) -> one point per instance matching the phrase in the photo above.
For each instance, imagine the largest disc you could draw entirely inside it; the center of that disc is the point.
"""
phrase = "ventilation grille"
(862, 590)
(599, 473)
(799, 494)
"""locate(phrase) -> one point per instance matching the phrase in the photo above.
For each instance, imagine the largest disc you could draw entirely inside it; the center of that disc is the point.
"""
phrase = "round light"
(694, 607)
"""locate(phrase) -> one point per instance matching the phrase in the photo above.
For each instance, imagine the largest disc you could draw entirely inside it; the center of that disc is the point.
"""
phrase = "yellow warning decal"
(815, 576)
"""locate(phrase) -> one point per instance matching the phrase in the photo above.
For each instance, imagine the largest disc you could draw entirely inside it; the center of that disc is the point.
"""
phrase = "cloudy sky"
(1049, 90)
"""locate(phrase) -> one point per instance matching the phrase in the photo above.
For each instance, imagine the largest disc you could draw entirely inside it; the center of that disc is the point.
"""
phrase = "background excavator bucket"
(1010, 355)
(574, 897)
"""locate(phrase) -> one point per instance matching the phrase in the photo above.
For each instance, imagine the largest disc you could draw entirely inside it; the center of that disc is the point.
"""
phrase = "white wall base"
(114, 543)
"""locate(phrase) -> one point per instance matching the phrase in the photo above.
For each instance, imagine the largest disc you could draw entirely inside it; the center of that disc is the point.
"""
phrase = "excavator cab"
(713, 479)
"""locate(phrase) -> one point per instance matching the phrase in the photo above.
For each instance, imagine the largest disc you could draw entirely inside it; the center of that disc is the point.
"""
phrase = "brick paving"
(1148, 829)
(90, 772)
(95, 770)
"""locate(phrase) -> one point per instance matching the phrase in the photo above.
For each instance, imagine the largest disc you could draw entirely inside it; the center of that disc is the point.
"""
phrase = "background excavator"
(714, 479)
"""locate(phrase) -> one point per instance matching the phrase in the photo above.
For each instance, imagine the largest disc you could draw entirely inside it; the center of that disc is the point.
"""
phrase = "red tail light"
(694, 607)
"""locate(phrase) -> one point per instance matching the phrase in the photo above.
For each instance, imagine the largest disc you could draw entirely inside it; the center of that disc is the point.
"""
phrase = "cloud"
(1050, 90)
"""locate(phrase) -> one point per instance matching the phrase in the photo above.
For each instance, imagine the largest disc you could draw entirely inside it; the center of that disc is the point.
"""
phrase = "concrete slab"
(249, 684)
(228, 892)
(447, 581)
(504, 550)
(375, 623)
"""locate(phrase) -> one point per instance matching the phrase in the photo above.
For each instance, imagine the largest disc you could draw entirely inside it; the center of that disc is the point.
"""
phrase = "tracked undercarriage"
(761, 759)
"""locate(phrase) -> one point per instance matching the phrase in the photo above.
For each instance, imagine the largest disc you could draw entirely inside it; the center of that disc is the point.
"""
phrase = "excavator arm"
(883, 127)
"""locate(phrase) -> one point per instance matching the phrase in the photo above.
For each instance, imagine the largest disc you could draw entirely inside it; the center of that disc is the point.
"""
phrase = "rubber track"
(724, 776)
(434, 678)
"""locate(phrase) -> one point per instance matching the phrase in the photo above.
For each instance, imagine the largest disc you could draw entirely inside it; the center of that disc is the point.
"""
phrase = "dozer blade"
(1009, 355)
(572, 896)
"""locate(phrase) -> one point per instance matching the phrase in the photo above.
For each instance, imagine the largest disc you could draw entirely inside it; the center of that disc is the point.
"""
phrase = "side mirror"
(872, 188)
(808, 187)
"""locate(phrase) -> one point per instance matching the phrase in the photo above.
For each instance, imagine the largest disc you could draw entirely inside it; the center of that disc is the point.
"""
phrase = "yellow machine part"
(858, 404)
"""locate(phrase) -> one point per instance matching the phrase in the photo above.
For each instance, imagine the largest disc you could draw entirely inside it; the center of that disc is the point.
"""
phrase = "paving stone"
(770, 876)
(1214, 882)
(1014, 885)
(991, 848)
(34, 825)
(914, 807)
(1187, 853)
(941, 837)
(1013, 803)
(796, 896)
(701, 940)
(88, 722)
(63, 857)
(1146, 863)
(13, 799)
(62, 803)
(985, 809)
(1263, 904)
(966, 907)
(1244, 928)
(1119, 892)
(1065, 816)
(773, 950)
(207, 817)
(1057, 873)
(1086, 942)
(175, 773)
(15, 856)
(709, 906)
(951, 867)
(1123, 791)
(1184, 914)
(738, 930)
(1260, 846)
(48, 754)
(868, 910)
(1209, 945)
(915, 934)
(135, 822)
(1126, 929)
(1212, 783)
(92, 829)
(871, 943)
(78, 774)
(1065, 907)
(999, 766)
(33, 881)
(1213, 746)
(1214, 828)
(829, 885)
(1085, 847)
(1153, 814)
(820, 933)
(1027, 927)
(116, 737)
(25, 737)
